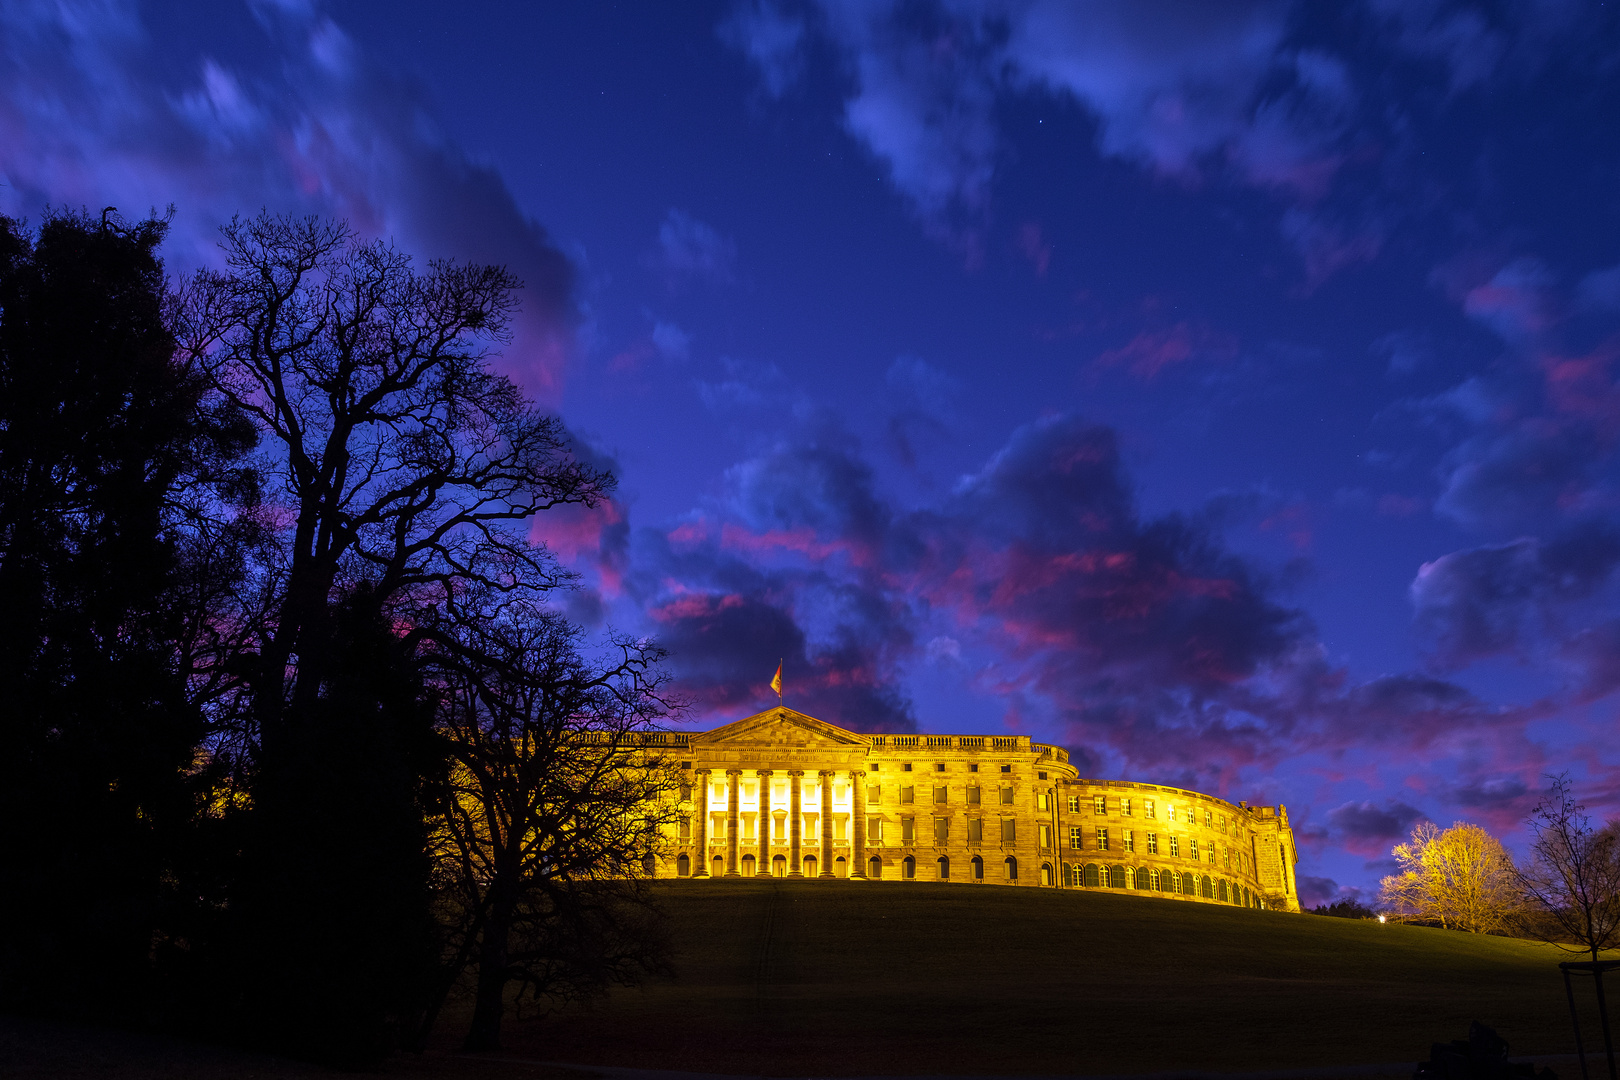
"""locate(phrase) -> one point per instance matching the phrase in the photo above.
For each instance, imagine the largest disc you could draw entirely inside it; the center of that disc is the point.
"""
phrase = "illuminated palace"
(784, 794)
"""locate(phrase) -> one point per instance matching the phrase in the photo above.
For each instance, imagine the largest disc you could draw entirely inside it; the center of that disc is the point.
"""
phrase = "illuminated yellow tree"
(1461, 878)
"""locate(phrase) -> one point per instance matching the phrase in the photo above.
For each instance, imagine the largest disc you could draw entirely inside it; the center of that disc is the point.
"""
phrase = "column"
(857, 825)
(764, 824)
(734, 791)
(826, 777)
(795, 825)
(702, 868)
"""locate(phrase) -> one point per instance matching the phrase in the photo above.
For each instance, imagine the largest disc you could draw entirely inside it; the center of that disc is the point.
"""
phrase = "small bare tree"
(1573, 880)
(1461, 878)
(556, 801)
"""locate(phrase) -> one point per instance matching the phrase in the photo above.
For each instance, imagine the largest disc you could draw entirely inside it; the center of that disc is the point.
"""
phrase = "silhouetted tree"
(109, 454)
(401, 471)
(1572, 884)
(1345, 909)
(1461, 878)
(553, 811)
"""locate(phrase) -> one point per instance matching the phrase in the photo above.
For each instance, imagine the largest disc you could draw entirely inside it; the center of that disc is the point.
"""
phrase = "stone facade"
(784, 794)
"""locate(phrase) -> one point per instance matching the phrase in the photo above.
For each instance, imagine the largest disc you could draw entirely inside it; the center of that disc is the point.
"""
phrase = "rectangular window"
(1102, 839)
(1209, 819)
(975, 830)
(1226, 854)
(686, 793)
(781, 827)
(1192, 847)
(1043, 801)
(1153, 843)
(973, 795)
(1147, 808)
(1175, 847)
(908, 794)
(942, 830)
(874, 830)
(1074, 804)
(908, 830)
(1006, 768)
(1223, 824)
(1076, 840)
(1192, 816)
(840, 828)
(942, 794)
(1125, 807)
(939, 766)
(1099, 804)
(717, 826)
(1045, 834)
(686, 828)
(874, 795)
(906, 767)
(1006, 796)
(1130, 840)
(1212, 854)
(973, 766)
(1009, 830)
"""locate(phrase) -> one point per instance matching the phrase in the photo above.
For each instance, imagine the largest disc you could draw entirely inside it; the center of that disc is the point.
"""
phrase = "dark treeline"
(294, 750)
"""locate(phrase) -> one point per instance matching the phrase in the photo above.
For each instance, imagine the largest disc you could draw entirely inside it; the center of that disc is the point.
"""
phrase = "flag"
(776, 680)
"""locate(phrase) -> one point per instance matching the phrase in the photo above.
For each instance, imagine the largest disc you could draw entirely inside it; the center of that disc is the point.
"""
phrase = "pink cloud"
(1152, 351)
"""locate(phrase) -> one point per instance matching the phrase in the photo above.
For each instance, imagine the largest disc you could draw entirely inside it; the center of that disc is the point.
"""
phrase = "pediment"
(782, 727)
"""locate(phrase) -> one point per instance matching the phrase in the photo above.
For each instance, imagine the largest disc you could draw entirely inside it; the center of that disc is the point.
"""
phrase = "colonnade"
(795, 838)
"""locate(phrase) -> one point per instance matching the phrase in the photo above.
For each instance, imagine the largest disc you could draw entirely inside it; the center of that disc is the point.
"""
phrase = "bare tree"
(1573, 880)
(1461, 878)
(553, 812)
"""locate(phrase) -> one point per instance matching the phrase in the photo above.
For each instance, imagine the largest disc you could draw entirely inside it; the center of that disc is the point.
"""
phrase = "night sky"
(1224, 391)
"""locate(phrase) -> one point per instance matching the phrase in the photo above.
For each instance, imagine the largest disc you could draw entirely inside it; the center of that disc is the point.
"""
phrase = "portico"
(779, 794)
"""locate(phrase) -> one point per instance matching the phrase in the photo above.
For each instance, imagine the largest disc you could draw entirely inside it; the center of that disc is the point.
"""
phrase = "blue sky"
(1224, 391)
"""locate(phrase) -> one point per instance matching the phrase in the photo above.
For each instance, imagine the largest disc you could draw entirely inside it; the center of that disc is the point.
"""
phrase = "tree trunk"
(488, 1003)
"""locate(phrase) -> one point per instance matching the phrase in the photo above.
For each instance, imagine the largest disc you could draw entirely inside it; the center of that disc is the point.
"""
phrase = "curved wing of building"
(784, 794)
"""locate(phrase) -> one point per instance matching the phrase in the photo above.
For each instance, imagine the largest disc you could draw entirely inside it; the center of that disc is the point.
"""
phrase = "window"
(1223, 824)
(1125, 807)
(686, 764)
(1074, 804)
(1130, 840)
(973, 795)
(1116, 877)
(978, 868)
(1209, 819)
(1099, 804)
(1090, 876)
(1192, 816)
(1006, 768)
(939, 766)
(876, 766)
(908, 830)
(975, 830)
(683, 866)
(686, 793)
(1143, 881)
(1153, 880)
(1227, 855)
(908, 868)
(944, 868)
(1147, 808)
(1044, 833)
(1009, 830)
(942, 794)
(874, 830)
(1153, 843)
(1012, 868)
(1192, 847)
(1006, 796)
(908, 794)
(874, 795)
(973, 766)
(942, 829)
(1212, 854)
(874, 868)
(1175, 847)
(1043, 800)
(1102, 839)
(686, 828)
(1076, 839)
(1040, 776)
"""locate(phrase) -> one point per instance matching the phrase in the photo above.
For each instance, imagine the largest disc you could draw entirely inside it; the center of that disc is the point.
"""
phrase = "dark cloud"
(1367, 820)
(312, 125)
(1494, 793)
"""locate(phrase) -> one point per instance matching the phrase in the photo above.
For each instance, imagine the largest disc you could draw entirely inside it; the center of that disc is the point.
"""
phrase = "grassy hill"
(779, 978)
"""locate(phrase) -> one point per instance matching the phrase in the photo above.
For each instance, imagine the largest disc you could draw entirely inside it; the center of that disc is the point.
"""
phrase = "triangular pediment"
(782, 726)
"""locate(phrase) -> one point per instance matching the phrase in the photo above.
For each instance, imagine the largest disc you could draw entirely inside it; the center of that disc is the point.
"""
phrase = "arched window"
(1187, 885)
(1091, 875)
(1012, 868)
(1153, 880)
(1070, 878)
(1220, 891)
(747, 866)
(978, 868)
(810, 866)
(944, 868)
(840, 867)
(1116, 877)
(649, 864)
(1206, 888)
(779, 865)
(874, 868)
(1144, 880)
(908, 868)
(1046, 873)
(683, 866)
(719, 867)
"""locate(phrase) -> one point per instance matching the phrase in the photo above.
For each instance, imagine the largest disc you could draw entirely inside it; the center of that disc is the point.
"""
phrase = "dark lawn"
(851, 978)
